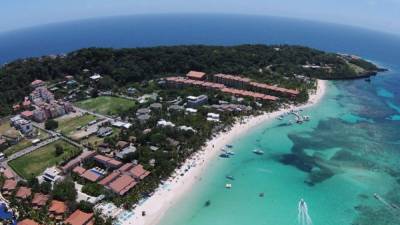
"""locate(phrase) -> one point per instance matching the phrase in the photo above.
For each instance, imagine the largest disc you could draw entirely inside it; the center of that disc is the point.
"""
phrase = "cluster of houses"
(109, 172)
(58, 210)
(234, 85)
(43, 100)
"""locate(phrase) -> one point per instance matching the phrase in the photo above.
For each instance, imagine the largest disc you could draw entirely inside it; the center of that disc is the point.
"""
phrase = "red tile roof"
(196, 75)
(74, 162)
(40, 199)
(91, 176)
(79, 170)
(23, 193)
(9, 185)
(27, 222)
(27, 114)
(111, 177)
(79, 218)
(125, 167)
(107, 160)
(139, 172)
(8, 174)
(122, 184)
(57, 207)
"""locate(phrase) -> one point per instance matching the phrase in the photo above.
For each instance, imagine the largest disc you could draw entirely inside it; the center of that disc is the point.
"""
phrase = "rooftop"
(23, 192)
(27, 222)
(57, 207)
(196, 75)
(9, 185)
(79, 218)
(40, 199)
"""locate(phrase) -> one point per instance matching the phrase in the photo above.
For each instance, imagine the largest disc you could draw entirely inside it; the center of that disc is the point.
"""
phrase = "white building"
(213, 117)
(51, 175)
(164, 123)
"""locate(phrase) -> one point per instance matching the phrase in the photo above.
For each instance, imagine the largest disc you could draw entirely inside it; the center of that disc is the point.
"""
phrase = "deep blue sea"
(337, 162)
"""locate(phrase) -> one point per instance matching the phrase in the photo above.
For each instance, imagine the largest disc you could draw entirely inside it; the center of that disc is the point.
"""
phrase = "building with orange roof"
(196, 75)
(79, 170)
(27, 222)
(80, 218)
(122, 184)
(27, 114)
(39, 200)
(57, 210)
(8, 174)
(107, 161)
(138, 172)
(9, 186)
(91, 175)
(23, 193)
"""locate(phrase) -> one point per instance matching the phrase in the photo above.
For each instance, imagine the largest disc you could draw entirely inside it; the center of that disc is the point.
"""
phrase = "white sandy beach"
(163, 198)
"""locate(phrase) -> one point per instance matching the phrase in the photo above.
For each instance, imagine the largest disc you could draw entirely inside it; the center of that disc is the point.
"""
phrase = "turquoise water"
(336, 163)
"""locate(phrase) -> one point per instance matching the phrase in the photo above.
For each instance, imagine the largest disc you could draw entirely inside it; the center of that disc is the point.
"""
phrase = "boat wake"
(302, 217)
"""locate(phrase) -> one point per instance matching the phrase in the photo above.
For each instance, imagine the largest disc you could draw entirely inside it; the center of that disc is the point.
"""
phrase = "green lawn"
(24, 143)
(68, 126)
(106, 105)
(36, 162)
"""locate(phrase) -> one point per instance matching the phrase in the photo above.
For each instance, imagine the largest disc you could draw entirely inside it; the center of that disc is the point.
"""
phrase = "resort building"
(78, 160)
(52, 174)
(232, 81)
(195, 101)
(27, 222)
(80, 218)
(39, 200)
(57, 210)
(9, 186)
(107, 161)
(23, 193)
(195, 75)
(120, 181)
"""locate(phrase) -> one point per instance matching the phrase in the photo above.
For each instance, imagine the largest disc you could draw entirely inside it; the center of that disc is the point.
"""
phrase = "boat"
(261, 194)
(306, 118)
(280, 118)
(258, 151)
(231, 153)
(228, 186)
(229, 146)
(208, 203)
(224, 155)
(230, 177)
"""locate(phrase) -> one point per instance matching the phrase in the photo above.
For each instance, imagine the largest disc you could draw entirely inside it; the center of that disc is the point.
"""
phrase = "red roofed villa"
(80, 218)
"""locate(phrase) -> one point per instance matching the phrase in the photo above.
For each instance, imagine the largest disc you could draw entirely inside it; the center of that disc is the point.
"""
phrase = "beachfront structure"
(213, 117)
(92, 175)
(80, 218)
(232, 81)
(247, 84)
(195, 101)
(196, 75)
(178, 82)
(120, 181)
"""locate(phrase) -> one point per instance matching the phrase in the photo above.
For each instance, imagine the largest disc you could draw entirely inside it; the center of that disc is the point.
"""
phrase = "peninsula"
(92, 133)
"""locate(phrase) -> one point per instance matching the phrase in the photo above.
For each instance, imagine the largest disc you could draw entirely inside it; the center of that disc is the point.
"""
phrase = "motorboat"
(258, 151)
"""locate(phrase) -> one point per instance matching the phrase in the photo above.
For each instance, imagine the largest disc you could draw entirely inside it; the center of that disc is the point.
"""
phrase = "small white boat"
(228, 186)
(258, 152)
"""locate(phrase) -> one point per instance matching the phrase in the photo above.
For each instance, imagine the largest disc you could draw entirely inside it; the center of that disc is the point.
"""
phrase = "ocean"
(337, 162)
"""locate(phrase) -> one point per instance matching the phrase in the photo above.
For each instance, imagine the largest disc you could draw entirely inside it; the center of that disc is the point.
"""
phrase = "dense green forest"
(122, 66)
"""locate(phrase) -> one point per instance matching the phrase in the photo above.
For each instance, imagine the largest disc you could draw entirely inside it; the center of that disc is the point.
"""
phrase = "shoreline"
(163, 198)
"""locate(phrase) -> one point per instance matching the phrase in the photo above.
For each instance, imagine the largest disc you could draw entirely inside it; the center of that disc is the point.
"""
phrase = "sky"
(383, 15)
